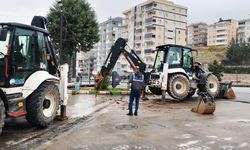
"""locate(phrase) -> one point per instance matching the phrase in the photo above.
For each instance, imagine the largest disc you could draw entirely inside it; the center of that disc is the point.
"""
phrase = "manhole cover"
(126, 127)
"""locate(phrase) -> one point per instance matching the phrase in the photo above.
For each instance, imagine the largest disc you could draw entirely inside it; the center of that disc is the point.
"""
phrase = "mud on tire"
(42, 105)
(212, 85)
(178, 87)
(2, 115)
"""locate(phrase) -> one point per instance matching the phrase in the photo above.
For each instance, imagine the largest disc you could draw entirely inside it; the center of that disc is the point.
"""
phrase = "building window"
(138, 52)
(221, 41)
(149, 36)
(124, 66)
(148, 20)
(147, 51)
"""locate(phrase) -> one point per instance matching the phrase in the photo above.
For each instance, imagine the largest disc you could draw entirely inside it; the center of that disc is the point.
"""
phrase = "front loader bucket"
(98, 80)
(226, 91)
(204, 106)
(229, 94)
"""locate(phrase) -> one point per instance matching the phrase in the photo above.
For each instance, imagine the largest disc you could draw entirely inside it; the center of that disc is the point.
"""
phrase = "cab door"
(27, 56)
(187, 62)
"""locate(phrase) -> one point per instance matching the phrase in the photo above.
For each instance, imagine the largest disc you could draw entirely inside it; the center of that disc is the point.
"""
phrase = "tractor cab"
(31, 82)
(23, 50)
(174, 56)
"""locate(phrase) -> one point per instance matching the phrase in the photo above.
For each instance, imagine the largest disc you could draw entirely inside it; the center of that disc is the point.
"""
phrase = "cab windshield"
(4, 42)
(159, 61)
(5, 35)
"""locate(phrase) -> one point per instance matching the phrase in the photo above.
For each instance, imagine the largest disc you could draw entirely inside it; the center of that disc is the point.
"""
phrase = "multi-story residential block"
(110, 30)
(153, 23)
(89, 65)
(197, 34)
(79, 64)
(222, 32)
(244, 31)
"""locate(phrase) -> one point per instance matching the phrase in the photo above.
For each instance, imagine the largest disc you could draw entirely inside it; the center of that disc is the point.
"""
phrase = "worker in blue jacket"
(137, 85)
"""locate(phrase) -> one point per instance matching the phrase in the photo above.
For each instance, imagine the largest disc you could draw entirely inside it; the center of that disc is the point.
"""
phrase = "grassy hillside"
(209, 54)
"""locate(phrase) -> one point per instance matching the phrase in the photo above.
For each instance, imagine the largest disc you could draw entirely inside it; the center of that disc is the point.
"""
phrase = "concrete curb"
(104, 93)
(111, 92)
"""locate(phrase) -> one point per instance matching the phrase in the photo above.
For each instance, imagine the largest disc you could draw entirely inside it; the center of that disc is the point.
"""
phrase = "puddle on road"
(126, 127)
(82, 105)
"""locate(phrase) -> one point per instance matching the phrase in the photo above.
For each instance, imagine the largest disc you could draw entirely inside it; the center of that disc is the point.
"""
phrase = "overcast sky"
(198, 10)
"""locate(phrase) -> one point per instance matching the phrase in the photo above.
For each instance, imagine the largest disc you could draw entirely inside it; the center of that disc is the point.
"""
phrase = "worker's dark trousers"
(134, 95)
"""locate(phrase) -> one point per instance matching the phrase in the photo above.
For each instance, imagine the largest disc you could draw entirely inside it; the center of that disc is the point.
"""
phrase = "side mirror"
(3, 34)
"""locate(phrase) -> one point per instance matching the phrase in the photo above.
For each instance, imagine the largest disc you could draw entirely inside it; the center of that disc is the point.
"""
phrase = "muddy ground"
(160, 125)
(102, 123)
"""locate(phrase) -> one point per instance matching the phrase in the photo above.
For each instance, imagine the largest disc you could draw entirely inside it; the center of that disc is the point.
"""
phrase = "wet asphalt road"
(18, 134)
(243, 94)
(18, 131)
(161, 126)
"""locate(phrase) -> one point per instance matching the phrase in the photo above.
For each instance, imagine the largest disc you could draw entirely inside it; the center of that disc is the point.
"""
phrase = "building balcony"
(124, 25)
(149, 8)
(138, 41)
(138, 27)
(149, 40)
(148, 24)
(221, 34)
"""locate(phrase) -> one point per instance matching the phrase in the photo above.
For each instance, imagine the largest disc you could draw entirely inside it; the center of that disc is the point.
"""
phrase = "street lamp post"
(63, 115)
(61, 31)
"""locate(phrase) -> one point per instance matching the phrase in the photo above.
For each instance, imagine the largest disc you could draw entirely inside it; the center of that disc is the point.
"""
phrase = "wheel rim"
(49, 104)
(213, 86)
(180, 87)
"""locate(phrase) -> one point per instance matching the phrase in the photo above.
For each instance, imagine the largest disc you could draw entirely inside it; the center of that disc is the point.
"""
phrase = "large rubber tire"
(178, 87)
(212, 85)
(191, 93)
(42, 105)
(155, 90)
(2, 115)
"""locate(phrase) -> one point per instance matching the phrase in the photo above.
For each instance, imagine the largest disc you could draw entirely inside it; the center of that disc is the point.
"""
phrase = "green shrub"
(92, 92)
(217, 69)
(115, 92)
(74, 92)
(106, 83)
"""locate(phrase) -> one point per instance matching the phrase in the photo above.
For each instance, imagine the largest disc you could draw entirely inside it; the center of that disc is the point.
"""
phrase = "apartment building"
(222, 33)
(153, 23)
(85, 65)
(197, 34)
(79, 64)
(89, 65)
(110, 31)
(244, 31)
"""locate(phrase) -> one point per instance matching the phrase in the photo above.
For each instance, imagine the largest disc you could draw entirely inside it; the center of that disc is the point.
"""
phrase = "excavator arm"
(117, 49)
